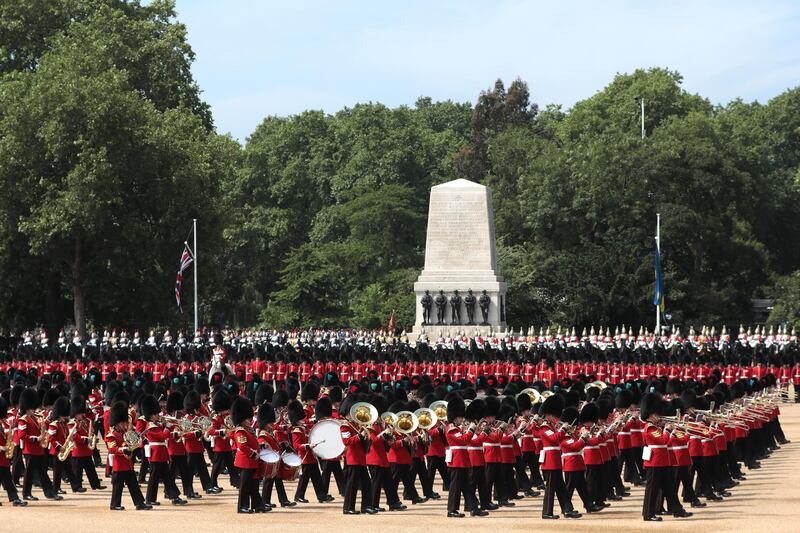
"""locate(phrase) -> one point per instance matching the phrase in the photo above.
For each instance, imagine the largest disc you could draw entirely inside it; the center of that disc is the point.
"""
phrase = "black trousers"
(160, 473)
(144, 467)
(703, 483)
(118, 481)
(594, 480)
(309, 472)
(62, 470)
(406, 475)
(576, 481)
(8, 483)
(179, 467)
(17, 465)
(522, 479)
(36, 465)
(660, 482)
(438, 464)
(81, 465)
(630, 472)
(419, 470)
(381, 480)
(479, 484)
(249, 497)
(197, 465)
(332, 468)
(509, 479)
(459, 486)
(222, 460)
(266, 490)
(554, 486)
(531, 462)
(356, 479)
(496, 482)
(683, 477)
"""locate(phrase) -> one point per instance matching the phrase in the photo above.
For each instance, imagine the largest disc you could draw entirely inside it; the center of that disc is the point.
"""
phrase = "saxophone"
(10, 444)
(69, 444)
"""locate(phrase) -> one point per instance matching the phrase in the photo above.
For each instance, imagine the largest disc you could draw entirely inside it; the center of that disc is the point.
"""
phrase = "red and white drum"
(290, 466)
(271, 461)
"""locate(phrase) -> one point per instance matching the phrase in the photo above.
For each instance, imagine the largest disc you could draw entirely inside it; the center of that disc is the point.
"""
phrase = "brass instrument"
(389, 418)
(546, 394)
(229, 425)
(407, 422)
(426, 418)
(535, 395)
(69, 444)
(93, 435)
(364, 413)
(10, 444)
(132, 440)
(44, 436)
(440, 408)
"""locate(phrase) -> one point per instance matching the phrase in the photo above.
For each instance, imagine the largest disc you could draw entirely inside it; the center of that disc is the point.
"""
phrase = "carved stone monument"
(460, 256)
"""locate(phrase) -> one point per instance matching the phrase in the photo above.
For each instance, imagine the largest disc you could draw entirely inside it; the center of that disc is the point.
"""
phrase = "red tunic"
(458, 442)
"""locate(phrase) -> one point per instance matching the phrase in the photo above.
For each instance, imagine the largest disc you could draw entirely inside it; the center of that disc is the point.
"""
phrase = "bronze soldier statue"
(426, 301)
(469, 303)
(441, 302)
(484, 302)
(455, 308)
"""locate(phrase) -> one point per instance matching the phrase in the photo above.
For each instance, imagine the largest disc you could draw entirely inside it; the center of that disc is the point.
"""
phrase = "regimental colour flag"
(186, 260)
(658, 298)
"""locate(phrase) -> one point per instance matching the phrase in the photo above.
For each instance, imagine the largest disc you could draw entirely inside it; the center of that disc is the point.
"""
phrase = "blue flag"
(658, 297)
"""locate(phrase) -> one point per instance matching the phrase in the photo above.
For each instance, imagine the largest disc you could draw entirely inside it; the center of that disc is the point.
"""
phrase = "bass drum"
(290, 466)
(271, 463)
(325, 440)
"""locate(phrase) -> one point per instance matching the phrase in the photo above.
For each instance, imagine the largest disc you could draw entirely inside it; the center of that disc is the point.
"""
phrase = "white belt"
(459, 447)
(527, 437)
(637, 430)
(658, 446)
(473, 448)
(157, 443)
(506, 446)
(694, 438)
(550, 448)
(624, 432)
(571, 454)
(591, 447)
(491, 444)
(686, 447)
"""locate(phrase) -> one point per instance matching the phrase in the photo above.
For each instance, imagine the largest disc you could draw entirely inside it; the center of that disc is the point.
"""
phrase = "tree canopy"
(107, 152)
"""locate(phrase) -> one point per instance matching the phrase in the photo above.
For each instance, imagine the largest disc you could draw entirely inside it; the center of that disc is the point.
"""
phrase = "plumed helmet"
(476, 410)
(118, 413)
(651, 404)
(77, 406)
(60, 408)
(266, 415)
(295, 412)
(28, 400)
(455, 408)
(553, 405)
(589, 413)
(175, 402)
(310, 392)
(221, 401)
(569, 415)
(241, 410)
(149, 406)
(324, 408)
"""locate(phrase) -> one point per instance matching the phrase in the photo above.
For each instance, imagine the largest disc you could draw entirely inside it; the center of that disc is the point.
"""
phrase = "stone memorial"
(460, 259)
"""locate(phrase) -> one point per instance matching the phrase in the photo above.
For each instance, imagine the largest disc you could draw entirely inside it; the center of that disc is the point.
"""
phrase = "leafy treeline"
(107, 152)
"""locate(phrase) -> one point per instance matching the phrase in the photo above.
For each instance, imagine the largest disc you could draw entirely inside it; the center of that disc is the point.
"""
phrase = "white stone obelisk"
(460, 255)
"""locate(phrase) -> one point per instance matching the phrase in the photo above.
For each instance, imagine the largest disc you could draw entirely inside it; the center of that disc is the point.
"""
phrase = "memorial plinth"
(460, 255)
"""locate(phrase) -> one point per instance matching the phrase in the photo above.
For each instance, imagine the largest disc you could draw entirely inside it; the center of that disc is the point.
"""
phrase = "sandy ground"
(767, 501)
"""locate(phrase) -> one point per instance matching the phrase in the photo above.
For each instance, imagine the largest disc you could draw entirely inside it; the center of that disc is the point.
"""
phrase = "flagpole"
(658, 247)
(194, 252)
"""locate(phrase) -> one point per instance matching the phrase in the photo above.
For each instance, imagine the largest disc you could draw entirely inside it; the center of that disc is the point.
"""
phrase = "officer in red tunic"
(247, 459)
(458, 441)
(356, 441)
(550, 460)
(30, 431)
(120, 457)
(660, 477)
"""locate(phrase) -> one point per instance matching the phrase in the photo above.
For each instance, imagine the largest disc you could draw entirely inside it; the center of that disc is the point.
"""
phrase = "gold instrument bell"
(599, 384)
(426, 417)
(364, 413)
(389, 418)
(546, 394)
(535, 395)
(406, 422)
(440, 408)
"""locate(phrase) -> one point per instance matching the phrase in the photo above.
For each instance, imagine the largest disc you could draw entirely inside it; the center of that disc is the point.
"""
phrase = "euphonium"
(407, 422)
(364, 413)
(427, 418)
(440, 408)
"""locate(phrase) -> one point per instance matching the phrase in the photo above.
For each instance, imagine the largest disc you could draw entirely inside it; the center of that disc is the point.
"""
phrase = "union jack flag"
(186, 260)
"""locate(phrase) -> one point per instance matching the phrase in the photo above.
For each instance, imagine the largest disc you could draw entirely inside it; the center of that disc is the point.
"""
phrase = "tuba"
(440, 408)
(364, 413)
(534, 395)
(426, 418)
(389, 418)
(407, 422)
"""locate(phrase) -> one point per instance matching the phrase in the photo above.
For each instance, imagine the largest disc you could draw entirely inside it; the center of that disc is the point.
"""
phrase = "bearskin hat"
(119, 413)
(3, 408)
(324, 408)
(310, 392)
(149, 406)
(202, 386)
(175, 402)
(77, 406)
(28, 400)
(50, 396)
(689, 399)
(623, 399)
(553, 405)
(241, 410)
(456, 408)
(191, 402)
(335, 394)
(264, 394)
(569, 415)
(651, 404)
(523, 402)
(506, 413)
(295, 412)
(605, 407)
(476, 410)
(589, 413)
(221, 401)
(266, 415)
(347, 403)
(674, 386)
(60, 408)
(492, 405)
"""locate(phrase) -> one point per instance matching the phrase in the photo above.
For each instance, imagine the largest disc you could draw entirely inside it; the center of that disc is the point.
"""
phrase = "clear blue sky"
(259, 58)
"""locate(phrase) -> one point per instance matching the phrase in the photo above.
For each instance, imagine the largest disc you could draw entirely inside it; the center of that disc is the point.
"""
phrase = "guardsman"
(550, 460)
(81, 461)
(30, 427)
(247, 459)
(356, 442)
(120, 456)
(458, 441)
(5, 465)
(156, 451)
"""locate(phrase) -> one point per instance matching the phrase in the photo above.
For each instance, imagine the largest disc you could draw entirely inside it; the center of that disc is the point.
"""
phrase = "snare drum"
(290, 466)
(271, 462)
